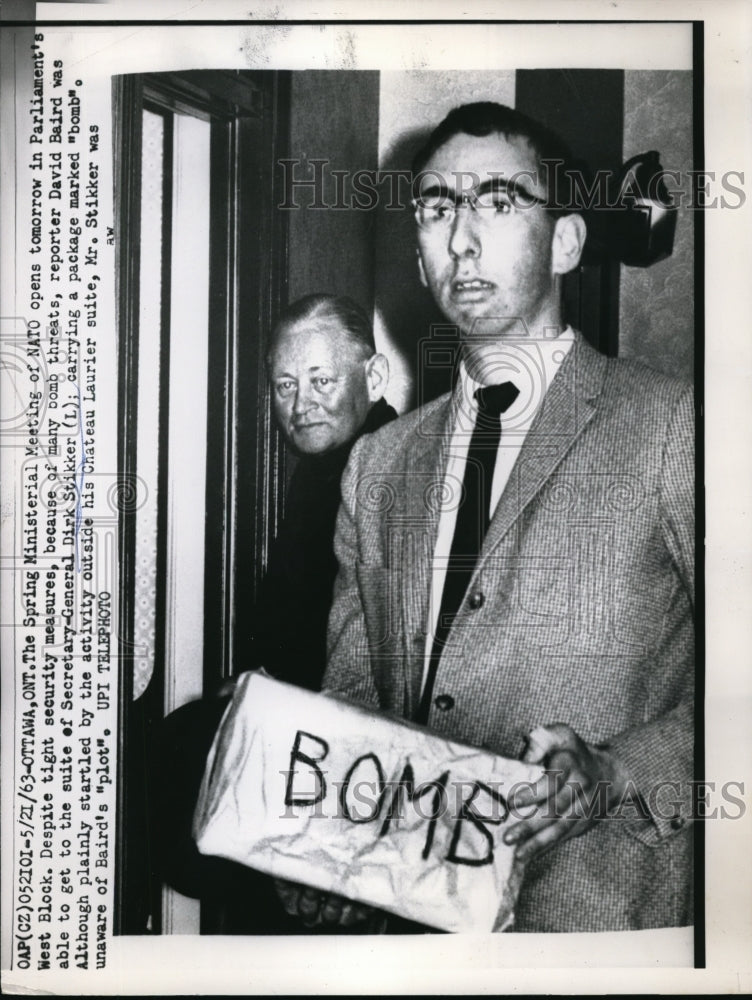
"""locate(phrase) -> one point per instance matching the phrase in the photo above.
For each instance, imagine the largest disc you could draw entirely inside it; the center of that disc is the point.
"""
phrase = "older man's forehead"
(313, 339)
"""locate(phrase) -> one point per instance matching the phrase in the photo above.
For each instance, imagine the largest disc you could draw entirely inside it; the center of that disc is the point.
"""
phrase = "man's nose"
(464, 239)
(304, 399)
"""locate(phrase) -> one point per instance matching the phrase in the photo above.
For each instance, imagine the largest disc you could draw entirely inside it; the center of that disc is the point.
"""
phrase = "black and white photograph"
(373, 480)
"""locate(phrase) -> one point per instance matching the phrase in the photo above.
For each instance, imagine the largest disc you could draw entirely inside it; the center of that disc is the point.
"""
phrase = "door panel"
(200, 278)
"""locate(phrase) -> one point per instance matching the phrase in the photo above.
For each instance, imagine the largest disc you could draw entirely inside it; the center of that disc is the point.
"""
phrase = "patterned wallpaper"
(656, 308)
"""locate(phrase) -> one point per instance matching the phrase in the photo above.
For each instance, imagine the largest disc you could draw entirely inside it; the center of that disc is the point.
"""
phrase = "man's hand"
(322, 909)
(582, 782)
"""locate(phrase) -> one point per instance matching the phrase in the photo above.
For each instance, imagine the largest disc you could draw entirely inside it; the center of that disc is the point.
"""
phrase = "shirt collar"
(531, 364)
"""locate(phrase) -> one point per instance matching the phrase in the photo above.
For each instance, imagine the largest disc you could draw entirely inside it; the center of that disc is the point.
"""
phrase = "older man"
(327, 383)
(529, 585)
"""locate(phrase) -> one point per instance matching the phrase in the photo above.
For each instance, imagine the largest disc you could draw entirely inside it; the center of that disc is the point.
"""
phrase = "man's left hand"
(581, 783)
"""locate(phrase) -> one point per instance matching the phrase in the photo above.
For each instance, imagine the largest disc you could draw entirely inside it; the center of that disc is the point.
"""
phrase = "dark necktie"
(472, 520)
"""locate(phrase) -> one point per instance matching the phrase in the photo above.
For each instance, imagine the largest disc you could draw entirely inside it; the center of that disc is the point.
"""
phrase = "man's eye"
(284, 387)
(436, 207)
(496, 201)
(323, 381)
(443, 211)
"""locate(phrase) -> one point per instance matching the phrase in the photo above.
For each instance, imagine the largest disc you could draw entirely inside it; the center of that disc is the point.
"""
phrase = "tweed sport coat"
(586, 579)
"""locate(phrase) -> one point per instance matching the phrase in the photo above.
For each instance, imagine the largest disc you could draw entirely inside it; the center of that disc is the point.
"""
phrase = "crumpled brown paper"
(311, 788)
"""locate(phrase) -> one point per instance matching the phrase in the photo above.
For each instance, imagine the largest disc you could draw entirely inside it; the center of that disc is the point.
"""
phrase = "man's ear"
(421, 272)
(377, 376)
(568, 243)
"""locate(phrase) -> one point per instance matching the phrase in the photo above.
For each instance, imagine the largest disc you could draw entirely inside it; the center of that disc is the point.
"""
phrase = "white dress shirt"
(531, 365)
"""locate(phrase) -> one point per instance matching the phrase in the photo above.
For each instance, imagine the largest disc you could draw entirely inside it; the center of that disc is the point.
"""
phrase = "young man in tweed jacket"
(573, 644)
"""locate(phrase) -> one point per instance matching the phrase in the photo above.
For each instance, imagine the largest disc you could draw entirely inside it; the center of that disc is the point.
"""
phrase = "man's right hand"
(325, 909)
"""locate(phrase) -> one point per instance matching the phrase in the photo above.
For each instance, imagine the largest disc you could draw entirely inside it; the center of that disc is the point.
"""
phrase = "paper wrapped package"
(311, 788)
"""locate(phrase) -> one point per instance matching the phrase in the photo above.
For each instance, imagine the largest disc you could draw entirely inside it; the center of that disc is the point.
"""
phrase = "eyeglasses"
(437, 206)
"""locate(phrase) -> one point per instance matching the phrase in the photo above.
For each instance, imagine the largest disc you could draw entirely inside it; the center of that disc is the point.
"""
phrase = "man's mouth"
(471, 287)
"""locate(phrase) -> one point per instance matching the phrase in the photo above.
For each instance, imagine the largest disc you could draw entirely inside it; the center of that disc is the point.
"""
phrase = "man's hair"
(348, 315)
(488, 118)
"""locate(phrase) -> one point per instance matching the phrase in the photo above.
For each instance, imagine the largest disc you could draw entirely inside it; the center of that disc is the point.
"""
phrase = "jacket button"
(677, 822)
(444, 702)
(476, 600)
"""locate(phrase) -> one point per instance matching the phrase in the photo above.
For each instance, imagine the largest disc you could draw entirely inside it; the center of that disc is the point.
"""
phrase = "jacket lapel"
(425, 466)
(424, 471)
(566, 410)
